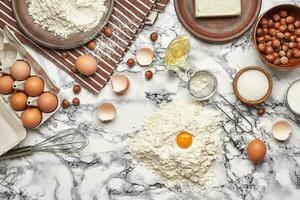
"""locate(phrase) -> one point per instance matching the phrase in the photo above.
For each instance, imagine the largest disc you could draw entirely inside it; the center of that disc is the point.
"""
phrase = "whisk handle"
(15, 153)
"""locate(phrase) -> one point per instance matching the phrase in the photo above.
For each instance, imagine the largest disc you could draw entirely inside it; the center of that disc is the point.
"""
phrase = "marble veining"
(105, 170)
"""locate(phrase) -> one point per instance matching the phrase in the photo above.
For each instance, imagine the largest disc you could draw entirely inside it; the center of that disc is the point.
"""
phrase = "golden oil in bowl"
(177, 52)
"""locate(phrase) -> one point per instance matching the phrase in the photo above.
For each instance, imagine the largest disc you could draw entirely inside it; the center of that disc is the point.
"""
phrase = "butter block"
(217, 8)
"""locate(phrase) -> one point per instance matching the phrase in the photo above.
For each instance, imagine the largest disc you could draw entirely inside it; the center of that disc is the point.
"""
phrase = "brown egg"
(18, 101)
(6, 84)
(86, 65)
(20, 70)
(31, 117)
(47, 102)
(256, 151)
(34, 86)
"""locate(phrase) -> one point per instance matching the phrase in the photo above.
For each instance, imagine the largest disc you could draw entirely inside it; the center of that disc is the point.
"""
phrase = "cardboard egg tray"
(12, 129)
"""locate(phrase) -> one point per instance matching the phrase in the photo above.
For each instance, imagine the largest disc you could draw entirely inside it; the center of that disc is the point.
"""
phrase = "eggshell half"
(145, 56)
(120, 84)
(281, 130)
(107, 112)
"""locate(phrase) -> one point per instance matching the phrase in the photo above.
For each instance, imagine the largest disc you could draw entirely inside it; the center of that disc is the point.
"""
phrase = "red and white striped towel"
(126, 20)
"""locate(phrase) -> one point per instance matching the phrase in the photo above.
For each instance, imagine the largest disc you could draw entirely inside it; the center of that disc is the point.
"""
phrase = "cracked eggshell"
(145, 56)
(281, 130)
(120, 84)
(107, 112)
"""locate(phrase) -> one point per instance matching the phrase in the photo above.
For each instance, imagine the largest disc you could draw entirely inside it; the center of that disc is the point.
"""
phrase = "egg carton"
(11, 50)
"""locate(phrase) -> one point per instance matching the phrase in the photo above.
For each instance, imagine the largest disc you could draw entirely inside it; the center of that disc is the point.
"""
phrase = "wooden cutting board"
(218, 29)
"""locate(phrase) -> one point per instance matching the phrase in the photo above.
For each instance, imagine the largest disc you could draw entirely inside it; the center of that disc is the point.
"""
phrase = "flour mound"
(64, 17)
(155, 146)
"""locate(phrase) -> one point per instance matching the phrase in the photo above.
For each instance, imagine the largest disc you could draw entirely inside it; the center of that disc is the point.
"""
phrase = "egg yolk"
(184, 140)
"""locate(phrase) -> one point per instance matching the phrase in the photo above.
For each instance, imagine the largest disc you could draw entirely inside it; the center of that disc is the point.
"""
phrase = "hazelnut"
(293, 38)
(76, 101)
(148, 74)
(264, 23)
(154, 36)
(262, 47)
(268, 38)
(283, 13)
(276, 54)
(269, 50)
(270, 23)
(272, 31)
(260, 39)
(64, 54)
(287, 35)
(297, 23)
(285, 47)
(265, 31)
(291, 27)
(261, 112)
(277, 25)
(270, 58)
(74, 70)
(290, 19)
(283, 21)
(282, 28)
(277, 61)
(92, 45)
(65, 104)
(297, 32)
(276, 17)
(292, 45)
(259, 32)
(76, 89)
(298, 39)
(289, 54)
(107, 31)
(284, 60)
(130, 62)
(282, 53)
(280, 36)
(275, 44)
(296, 52)
(298, 45)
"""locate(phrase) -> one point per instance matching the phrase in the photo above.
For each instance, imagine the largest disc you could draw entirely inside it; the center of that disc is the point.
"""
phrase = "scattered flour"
(155, 146)
(64, 17)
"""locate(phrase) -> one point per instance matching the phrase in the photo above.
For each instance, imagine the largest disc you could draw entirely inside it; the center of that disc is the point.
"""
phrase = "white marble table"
(105, 169)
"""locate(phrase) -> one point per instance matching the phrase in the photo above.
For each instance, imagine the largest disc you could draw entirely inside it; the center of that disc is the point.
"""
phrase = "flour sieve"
(208, 90)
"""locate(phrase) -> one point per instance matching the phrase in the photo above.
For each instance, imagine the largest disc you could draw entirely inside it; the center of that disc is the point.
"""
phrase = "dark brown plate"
(49, 39)
(218, 29)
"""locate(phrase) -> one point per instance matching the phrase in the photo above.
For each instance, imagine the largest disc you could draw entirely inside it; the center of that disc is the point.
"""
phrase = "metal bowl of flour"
(48, 39)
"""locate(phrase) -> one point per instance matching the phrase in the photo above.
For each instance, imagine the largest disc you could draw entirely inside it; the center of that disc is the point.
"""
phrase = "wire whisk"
(69, 141)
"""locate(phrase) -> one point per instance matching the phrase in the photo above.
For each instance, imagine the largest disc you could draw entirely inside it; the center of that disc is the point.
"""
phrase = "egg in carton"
(28, 97)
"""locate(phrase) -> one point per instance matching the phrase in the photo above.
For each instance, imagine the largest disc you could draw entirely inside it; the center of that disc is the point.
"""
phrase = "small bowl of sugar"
(252, 85)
